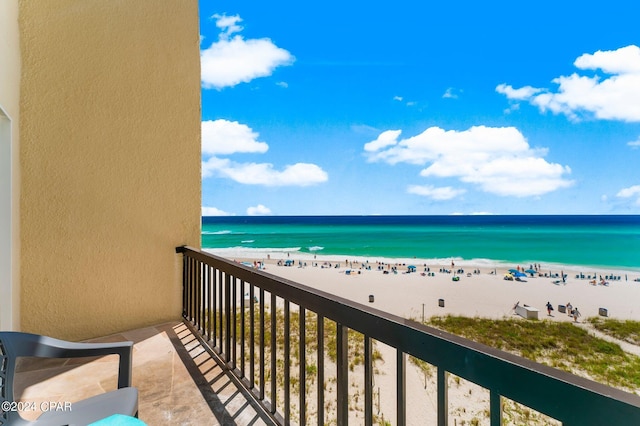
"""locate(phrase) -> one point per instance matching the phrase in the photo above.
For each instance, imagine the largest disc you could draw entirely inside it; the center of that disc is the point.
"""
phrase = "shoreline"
(293, 253)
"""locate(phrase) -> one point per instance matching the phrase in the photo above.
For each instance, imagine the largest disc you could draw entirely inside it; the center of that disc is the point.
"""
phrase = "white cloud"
(282, 84)
(258, 210)
(229, 137)
(497, 160)
(634, 144)
(234, 60)
(517, 94)
(390, 137)
(223, 137)
(299, 174)
(630, 192)
(625, 60)
(610, 98)
(451, 93)
(439, 194)
(228, 25)
(213, 211)
(397, 98)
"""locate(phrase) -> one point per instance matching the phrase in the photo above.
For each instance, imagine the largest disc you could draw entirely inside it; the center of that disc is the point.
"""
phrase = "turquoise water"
(605, 241)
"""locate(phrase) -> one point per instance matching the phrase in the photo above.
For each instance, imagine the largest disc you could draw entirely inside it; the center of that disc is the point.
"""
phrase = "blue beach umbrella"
(513, 271)
(519, 274)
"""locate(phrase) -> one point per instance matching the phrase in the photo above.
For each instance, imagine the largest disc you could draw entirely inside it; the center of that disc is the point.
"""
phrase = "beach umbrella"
(531, 271)
(519, 274)
(513, 271)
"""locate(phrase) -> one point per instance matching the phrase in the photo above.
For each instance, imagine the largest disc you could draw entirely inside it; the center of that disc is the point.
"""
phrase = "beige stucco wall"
(10, 189)
(110, 161)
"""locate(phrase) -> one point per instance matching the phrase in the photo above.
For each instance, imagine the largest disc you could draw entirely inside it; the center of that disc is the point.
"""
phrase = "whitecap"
(224, 232)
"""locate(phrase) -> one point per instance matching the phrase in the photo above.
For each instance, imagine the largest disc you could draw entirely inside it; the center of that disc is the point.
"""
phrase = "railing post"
(227, 302)
(262, 342)
(495, 407)
(185, 283)
(274, 354)
(234, 322)
(242, 328)
(401, 387)
(303, 365)
(252, 337)
(320, 355)
(443, 403)
(219, 289)
(287, 363)
(342, 367)
(368, 380)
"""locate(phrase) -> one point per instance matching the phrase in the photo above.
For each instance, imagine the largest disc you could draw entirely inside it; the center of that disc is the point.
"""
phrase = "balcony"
(257, 349)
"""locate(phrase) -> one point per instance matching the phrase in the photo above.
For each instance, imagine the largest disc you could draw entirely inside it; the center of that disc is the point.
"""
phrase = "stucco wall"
(110, 161)
(9, 169)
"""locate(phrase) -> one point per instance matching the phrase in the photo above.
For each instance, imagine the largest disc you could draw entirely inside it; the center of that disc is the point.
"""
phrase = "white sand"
(484, 295)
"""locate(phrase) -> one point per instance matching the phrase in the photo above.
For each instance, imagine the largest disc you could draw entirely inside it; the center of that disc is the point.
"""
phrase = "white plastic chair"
(124, 400)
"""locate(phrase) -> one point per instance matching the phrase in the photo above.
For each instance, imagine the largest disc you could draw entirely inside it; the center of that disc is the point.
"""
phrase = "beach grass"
(558, 344)
(628, 331)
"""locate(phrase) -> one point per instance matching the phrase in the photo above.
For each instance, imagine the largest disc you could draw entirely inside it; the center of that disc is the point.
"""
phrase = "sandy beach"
(484, 294)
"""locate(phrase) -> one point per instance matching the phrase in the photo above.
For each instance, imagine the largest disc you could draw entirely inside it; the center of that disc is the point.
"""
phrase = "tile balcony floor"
(179, 382)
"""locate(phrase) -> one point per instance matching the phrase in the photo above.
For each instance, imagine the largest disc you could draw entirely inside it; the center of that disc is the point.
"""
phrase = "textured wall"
(9, 169)
(110, 161)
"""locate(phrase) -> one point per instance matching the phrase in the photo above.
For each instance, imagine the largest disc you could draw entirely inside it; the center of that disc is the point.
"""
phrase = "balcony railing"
(281, 338)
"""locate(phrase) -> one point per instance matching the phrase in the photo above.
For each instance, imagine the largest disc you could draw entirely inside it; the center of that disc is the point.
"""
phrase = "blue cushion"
(119, 420)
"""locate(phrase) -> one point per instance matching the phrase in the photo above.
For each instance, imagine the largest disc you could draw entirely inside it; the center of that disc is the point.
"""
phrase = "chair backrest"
(7, 370)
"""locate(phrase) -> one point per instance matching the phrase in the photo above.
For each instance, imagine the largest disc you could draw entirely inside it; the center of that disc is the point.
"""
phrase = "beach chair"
(14, 345)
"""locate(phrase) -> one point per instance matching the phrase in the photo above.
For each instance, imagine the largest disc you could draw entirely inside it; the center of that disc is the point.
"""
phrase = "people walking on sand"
(569, 308)
(549, 308)
(576, 314)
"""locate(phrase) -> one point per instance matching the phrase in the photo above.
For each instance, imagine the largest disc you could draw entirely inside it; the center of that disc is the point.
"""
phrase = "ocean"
(573, 241)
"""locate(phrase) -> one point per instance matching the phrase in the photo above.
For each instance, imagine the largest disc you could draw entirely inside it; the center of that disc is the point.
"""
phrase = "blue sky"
(410, 107)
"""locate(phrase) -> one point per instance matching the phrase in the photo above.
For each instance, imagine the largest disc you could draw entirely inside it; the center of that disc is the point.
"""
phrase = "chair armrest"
(33, 345)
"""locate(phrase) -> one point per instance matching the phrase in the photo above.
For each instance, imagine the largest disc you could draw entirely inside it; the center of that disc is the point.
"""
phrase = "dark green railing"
(226, 303)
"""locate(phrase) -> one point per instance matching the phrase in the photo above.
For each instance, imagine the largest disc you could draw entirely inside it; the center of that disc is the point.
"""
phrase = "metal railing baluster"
(287, 363)
(320, 356)
(252, 338)
(242, 329)
(495, 408)
(443, 397)
(227, 314)
(401, 388)
(234, 323)
(262, 340)
(274, 354)
(303, 366)
(342, 370)
(368, 380)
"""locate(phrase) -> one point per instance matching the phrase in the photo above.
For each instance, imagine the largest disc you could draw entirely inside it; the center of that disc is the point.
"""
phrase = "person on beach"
(549, 308)
(569, 308)
(576, 314)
